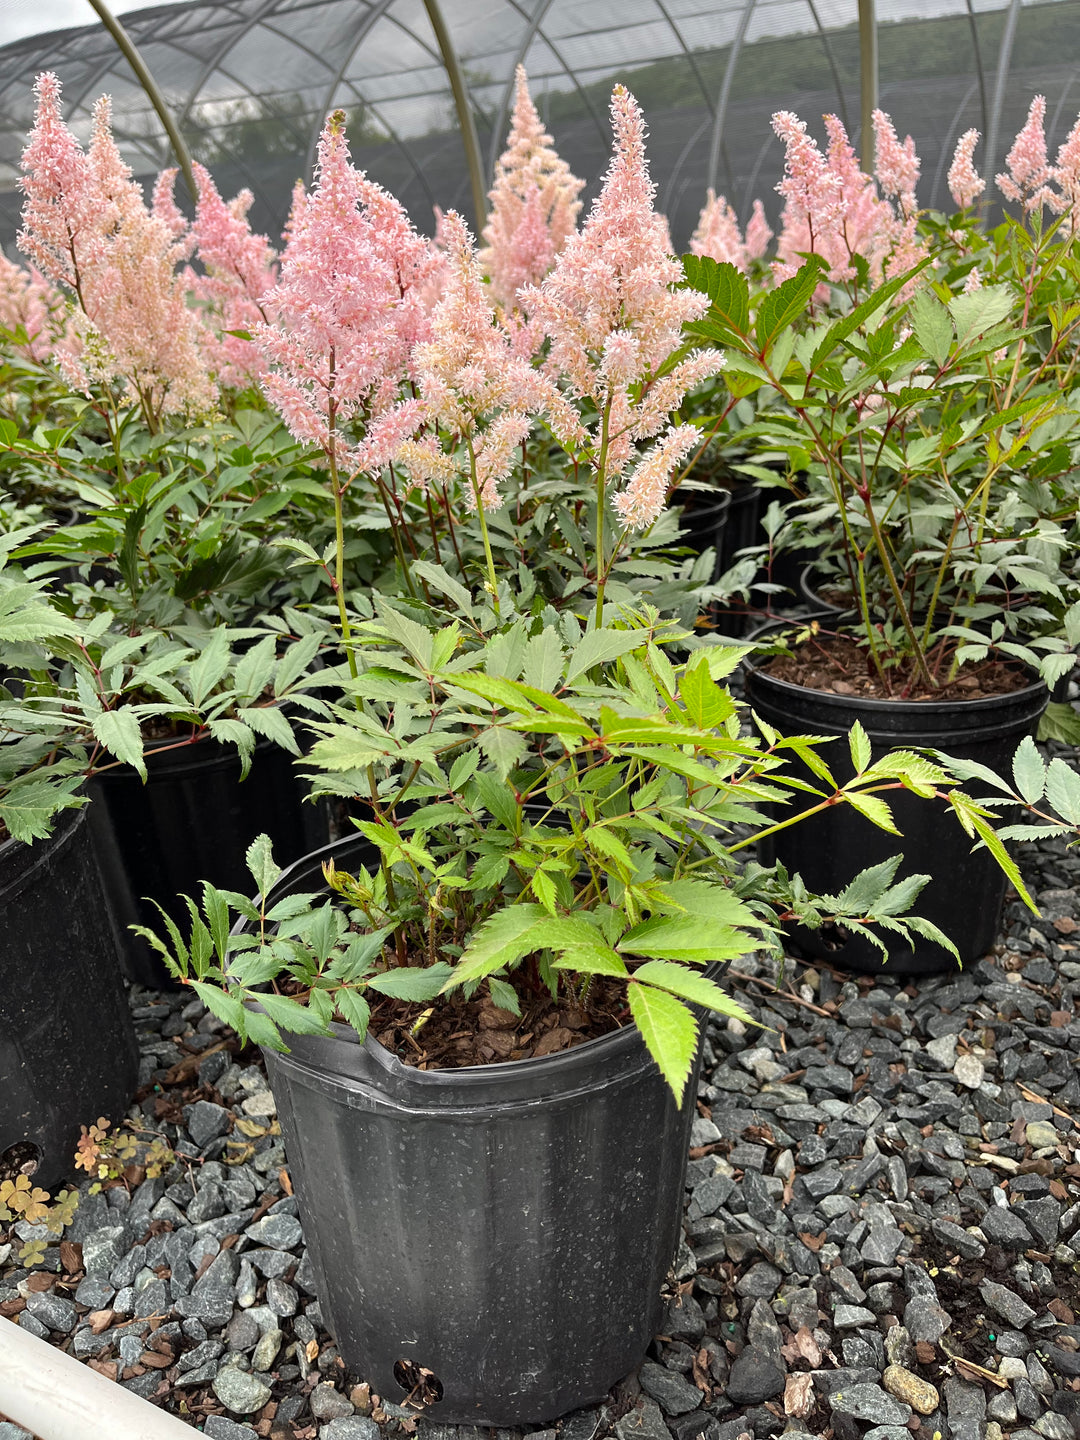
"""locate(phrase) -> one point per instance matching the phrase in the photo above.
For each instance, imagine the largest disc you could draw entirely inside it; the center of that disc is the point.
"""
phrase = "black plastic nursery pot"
(965, 894)
(502, 1229)
(67, 1046)
(192, 820)
(704, 521)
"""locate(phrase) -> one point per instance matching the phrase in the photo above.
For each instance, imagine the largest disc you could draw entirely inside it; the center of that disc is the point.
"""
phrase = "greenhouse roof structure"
(428, 85)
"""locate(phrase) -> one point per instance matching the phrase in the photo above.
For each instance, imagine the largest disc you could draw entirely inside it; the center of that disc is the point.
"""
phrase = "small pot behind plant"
(967, 889)
(193, 820)
(494, 1238)
(704, 520)
(67, 1046)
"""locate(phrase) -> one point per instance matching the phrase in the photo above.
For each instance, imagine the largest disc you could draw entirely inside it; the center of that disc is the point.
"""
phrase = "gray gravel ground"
(882, 1202)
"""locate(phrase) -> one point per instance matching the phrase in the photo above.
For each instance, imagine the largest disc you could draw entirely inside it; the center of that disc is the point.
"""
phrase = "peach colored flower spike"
(240, 268)
(30, 304)
(1028, 173)
(87, 227)
(965, 183)
(758, 233)
(346, 313)
(534, 204)
(717, 234)
(471, 382)
(613, 316)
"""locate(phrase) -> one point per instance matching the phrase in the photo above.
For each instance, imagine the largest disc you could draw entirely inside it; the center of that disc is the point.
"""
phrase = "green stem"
(493, 584)
(601, 496)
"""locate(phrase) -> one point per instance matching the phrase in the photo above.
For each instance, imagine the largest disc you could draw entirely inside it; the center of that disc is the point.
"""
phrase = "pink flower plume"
(965, 183)
(534, 204)
(1027, 171)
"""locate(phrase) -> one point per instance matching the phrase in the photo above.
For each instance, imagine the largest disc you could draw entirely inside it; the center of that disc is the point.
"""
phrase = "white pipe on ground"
(58, 1398)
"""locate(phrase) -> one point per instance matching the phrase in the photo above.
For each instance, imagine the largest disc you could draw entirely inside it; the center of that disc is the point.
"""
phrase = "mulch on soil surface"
(838, 666)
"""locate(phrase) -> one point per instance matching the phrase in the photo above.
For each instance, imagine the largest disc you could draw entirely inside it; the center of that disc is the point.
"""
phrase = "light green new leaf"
(977, 824)
(932, 325)
(255, 668)
(28, 810)
(354, 1009)
(689, 985)
(592, 958)
(295, 662)
(707, 902)
(979, 310)
(599, 646)
(257, 1027)
(1060, 722)
(226, 1007)
(874, 808)
(416, 640)
(709, 704)
(291, 1015)
(689, 938)
(864, 892)
(211, 665)
(268, 721)
(260, 861)
(1028, 771)
(503, 995)
(859, 744)
(234, 732)
(437, 577)
(669, 1030)
(119, 732)
(503, 939)
(1063, 790)
(503, 747)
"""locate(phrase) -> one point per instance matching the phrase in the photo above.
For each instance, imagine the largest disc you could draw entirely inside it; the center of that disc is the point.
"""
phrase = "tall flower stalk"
(534, 203)
(346, 314)
(88, 230)
(613, 318)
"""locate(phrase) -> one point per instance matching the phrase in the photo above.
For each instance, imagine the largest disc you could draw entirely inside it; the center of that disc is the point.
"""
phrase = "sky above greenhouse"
(38, 17)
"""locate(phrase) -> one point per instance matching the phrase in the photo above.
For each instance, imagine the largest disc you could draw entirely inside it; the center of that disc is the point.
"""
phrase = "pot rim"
(22, 858)
(622, 1048)
(872, 704)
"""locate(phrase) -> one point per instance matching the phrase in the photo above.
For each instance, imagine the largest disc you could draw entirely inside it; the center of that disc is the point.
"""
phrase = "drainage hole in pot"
(22, 1158)
(422, 1387)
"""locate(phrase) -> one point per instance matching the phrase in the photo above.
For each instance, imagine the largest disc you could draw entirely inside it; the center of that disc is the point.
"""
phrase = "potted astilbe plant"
(68, 1047)
(494, 990)
(927, 416)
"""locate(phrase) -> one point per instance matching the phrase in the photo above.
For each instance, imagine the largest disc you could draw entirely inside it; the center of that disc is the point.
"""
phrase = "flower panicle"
(534, 203)
(964, 181)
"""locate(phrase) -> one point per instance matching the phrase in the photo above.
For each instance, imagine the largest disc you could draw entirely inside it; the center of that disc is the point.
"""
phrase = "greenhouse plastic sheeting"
(250, 81)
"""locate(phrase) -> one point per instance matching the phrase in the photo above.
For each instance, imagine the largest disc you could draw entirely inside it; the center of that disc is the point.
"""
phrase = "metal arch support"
(831, 58)
(668, 197)
(978, 65)
(374, 15)
(687, 52)
(127, 48)
(868, 81)
(1004, 57)
(211, 65)
(725, 94)
(542, 7)
(948, 139)
(469, 138)
(605, 135)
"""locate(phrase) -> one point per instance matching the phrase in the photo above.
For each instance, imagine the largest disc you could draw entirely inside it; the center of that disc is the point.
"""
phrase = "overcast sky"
(37, 17)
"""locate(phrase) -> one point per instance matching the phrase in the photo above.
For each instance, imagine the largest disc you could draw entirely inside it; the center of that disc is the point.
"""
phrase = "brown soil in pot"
(460, 1032)
(836, 665)
(476, 1032)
